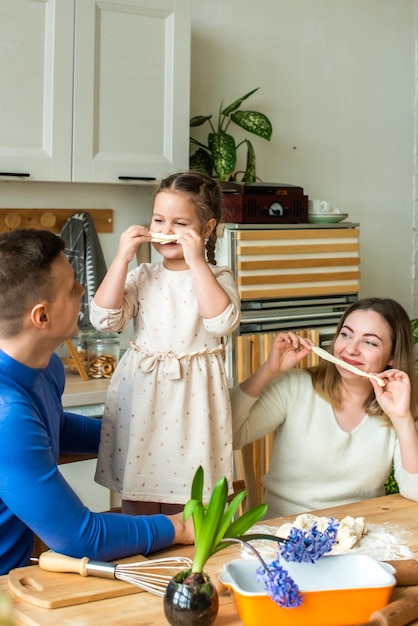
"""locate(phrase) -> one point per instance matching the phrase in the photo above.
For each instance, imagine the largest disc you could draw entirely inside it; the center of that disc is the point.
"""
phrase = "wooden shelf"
(52, 219)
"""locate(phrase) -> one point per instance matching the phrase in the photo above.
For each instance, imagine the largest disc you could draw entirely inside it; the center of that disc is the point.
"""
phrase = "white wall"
(337, 79)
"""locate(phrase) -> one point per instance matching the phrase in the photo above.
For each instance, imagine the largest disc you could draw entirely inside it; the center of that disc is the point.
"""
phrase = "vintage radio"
(263, 203)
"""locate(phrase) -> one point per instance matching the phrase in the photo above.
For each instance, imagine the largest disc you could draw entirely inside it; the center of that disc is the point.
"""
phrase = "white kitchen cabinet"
(36, 86)
(131, 89)
(94, 91)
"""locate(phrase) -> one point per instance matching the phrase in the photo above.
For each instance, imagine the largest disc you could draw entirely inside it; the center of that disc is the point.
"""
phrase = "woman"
(337, 434)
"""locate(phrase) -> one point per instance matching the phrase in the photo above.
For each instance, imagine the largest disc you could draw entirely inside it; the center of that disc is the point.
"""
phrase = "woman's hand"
(130, 240)
(287, 350)
(395, 396)
(395, 400)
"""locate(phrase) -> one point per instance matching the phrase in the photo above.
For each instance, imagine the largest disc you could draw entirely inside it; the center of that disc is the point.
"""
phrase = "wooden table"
(147, 610)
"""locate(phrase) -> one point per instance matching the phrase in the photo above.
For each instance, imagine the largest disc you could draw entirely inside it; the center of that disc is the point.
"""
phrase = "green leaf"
(195, 509)
(189, 509)
(205, 545)
(198, 120)
(255, 122)
(414, 326)
(224, 155)
(213, 522)
(197, 485)
(195, 506)
(235, 105)
(249, 174)
(228, 515)
(245, 521)
(201, 161)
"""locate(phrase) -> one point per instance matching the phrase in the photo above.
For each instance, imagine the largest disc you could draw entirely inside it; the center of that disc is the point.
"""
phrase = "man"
(39, 307)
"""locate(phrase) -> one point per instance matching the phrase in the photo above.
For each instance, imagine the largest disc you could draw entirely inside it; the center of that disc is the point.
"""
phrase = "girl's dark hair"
(206, 194)
(25, 274)
(325, 376)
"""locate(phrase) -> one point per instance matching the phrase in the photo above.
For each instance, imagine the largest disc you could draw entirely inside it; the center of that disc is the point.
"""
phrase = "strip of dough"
(330, 357)
(163, 238)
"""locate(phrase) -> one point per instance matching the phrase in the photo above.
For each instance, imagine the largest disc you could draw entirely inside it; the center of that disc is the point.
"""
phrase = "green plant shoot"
(215, 521)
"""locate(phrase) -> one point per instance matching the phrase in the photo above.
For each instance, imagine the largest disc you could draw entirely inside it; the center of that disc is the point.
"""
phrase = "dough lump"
(350, 530)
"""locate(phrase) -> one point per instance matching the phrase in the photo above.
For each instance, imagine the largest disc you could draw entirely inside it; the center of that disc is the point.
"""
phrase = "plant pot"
(191, 600)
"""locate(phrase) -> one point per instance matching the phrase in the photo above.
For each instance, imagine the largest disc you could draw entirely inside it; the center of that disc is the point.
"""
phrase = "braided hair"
(206, 195)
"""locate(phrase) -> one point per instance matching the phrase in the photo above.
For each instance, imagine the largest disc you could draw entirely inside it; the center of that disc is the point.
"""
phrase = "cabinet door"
(36, 89)
(131, 89)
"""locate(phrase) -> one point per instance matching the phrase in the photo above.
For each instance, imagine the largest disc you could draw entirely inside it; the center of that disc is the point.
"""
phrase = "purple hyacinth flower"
(301, 546)
(309, 546)
(279, 585)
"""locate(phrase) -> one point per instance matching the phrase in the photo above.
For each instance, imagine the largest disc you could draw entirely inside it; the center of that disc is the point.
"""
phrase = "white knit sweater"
(315, 464)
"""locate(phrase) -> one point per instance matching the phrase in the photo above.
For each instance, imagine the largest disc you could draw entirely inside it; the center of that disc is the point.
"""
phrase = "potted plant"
(219, 155)
(191, 598)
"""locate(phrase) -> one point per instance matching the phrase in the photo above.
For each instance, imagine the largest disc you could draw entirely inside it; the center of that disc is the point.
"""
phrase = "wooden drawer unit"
(290, 277)
(296, 262)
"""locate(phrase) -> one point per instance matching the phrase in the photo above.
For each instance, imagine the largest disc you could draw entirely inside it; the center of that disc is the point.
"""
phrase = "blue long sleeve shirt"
(34, 497)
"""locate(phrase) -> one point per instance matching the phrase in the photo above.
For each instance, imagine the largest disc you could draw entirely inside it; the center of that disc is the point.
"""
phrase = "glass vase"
(191, 600)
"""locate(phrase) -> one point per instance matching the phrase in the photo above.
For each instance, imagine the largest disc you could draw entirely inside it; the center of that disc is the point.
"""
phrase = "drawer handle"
(16, 174)
(137, 178)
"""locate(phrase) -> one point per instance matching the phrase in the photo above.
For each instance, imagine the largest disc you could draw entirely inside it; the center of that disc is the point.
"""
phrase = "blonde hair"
(325, 377)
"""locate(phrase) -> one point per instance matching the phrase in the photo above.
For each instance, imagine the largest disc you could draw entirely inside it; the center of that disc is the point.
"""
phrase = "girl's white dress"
(167, 409)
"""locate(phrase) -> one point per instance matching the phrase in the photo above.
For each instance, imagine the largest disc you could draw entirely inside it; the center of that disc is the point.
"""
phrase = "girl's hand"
(130, 240)
(287, 350)
(193, 246)
(395, 396)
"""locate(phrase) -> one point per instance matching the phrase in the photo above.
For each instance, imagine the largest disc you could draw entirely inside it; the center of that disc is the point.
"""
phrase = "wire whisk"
(151, 575)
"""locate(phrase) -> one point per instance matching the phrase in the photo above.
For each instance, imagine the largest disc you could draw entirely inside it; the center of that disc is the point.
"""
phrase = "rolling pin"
(398, 613)
(406, 571)
(403, 611)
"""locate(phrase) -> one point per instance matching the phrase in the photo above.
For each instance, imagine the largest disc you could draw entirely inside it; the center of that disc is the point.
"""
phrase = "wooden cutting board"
(50, 590)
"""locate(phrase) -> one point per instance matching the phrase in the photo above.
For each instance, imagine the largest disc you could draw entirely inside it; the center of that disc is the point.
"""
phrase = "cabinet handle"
(137, 178)
(17, 174)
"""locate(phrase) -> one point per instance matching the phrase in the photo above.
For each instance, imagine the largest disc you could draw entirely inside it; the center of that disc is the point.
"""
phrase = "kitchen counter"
(78, 392)
(147, 609)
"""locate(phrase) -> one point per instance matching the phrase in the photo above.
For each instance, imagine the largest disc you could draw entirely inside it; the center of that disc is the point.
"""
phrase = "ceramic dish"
(326, 218)
(338, 590)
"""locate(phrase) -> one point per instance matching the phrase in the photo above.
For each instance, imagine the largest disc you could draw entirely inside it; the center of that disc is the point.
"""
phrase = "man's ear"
(210, 225)
(39, 315)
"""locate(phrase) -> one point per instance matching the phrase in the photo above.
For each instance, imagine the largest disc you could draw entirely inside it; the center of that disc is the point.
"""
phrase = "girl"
(337, 433)
(167, 409)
